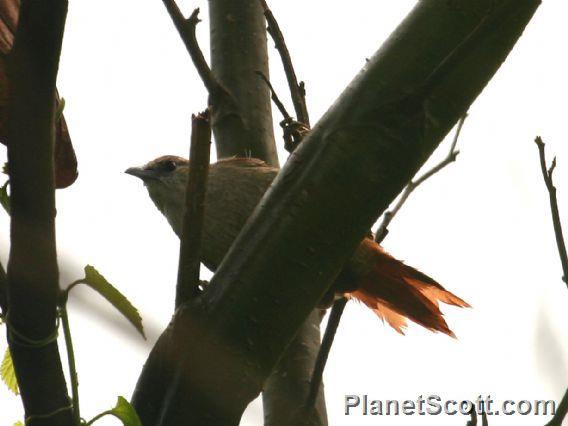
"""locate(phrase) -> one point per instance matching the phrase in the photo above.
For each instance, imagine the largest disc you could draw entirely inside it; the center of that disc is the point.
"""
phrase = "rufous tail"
(397, 292)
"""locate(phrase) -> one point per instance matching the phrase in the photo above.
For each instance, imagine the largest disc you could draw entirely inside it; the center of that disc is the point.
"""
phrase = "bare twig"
(382, 230)
(330, 330)
(547, 176)
(561, 412)
(293, 130)
(275, 97)
(190, 244)
(186, 30)
(297, 90)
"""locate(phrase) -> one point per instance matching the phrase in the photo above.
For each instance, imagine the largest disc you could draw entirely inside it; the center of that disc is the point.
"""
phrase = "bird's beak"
(141, 173)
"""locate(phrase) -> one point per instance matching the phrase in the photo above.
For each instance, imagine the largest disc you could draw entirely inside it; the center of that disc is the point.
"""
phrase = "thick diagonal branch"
(346, 172)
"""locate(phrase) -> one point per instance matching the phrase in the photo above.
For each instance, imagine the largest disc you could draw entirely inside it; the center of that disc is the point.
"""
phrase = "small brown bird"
(394, 291)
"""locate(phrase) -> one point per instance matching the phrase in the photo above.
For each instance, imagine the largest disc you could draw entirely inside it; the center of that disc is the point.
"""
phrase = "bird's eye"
(169, 166)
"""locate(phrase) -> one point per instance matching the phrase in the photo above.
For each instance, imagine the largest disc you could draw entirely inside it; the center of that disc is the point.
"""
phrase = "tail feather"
(395, 292)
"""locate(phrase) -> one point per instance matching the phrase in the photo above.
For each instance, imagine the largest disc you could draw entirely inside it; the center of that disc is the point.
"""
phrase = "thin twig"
(190, 245)
(275, 97)
(382, 230)
(297, 90)
(294, 131)
(547, 175)
(561, 412)
(321, 360)
(186, 30)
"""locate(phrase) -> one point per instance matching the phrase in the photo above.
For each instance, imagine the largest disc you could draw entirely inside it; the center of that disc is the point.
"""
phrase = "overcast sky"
(481, 227)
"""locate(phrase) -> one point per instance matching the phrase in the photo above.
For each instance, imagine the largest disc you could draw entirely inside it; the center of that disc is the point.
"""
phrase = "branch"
(192, 230)
(547, 176)
(561, 412)
(294, 131)
(297, 91)
(275, 97)
(347, 171)
(243, 128)
(186, 30)
(33, 286)
(330, 331)
(382, 230)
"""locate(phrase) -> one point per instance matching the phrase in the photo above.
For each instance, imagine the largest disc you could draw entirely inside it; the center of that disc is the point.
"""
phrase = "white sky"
(481, 227)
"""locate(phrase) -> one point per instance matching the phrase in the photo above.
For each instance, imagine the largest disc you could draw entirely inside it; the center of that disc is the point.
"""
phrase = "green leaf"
(8, 374)
(126, 413)
(4, 197)
(99, 283)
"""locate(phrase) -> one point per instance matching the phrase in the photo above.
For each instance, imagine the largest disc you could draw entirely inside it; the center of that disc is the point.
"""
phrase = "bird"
(396, 292)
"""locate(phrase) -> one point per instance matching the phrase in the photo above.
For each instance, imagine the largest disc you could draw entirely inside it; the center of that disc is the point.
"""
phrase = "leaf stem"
(70, 359)
(98, 416)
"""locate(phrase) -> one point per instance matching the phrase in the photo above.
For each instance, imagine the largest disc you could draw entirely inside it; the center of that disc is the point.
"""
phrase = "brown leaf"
(64, 155)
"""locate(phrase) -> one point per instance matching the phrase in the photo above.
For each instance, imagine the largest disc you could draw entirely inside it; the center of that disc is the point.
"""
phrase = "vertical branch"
(190, 243)
(562, 410)
(547, 176)
(236, 27)
(32, 267)
(246, 128)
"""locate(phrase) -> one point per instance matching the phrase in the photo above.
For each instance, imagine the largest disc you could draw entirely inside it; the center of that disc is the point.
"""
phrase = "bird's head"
(166, 180)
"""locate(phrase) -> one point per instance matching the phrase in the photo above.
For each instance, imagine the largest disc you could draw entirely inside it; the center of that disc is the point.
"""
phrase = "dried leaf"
(65, 159)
